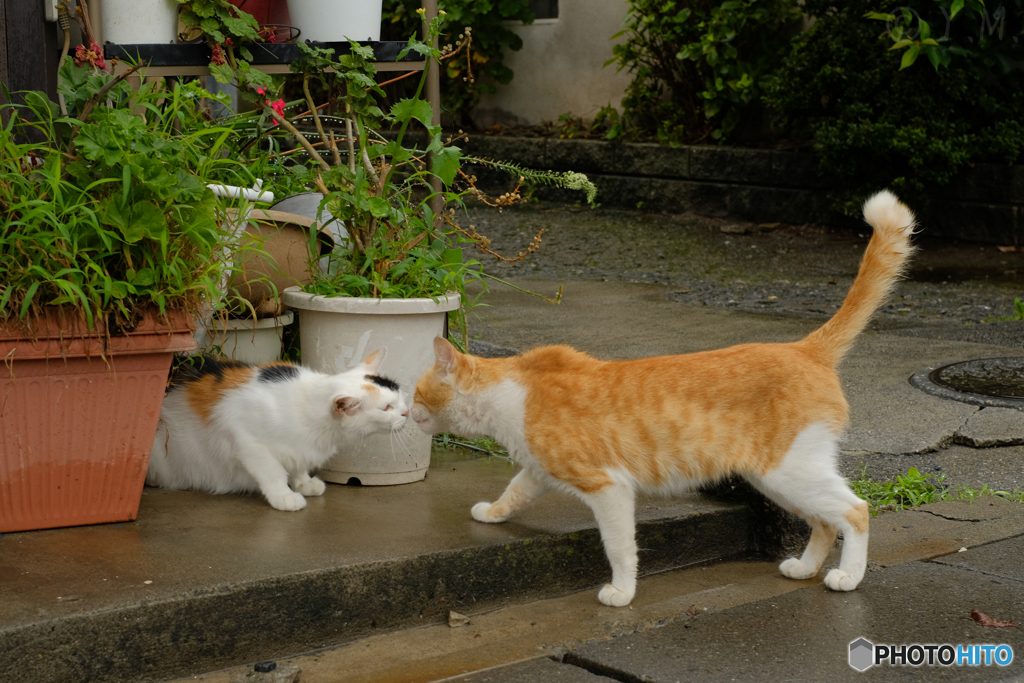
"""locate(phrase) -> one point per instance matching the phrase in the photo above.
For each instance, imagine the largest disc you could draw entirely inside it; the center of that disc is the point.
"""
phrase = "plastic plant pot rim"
(296, 298)
(248, 324)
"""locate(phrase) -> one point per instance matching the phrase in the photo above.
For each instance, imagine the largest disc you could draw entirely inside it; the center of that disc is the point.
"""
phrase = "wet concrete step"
(200, 582)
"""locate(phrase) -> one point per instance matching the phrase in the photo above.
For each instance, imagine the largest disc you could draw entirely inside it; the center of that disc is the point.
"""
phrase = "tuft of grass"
(1017, 314)
(913, 489)
(483, 444)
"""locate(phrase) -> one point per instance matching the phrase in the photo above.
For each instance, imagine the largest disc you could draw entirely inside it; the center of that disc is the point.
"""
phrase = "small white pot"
(327, 21)
(336, 333)
(247, 340)
(130, 22)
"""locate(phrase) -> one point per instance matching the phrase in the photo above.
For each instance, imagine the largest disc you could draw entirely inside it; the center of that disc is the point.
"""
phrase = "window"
(545, 9)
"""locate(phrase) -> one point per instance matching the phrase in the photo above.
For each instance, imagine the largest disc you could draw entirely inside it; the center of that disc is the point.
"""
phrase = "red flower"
(277, 107)
(261, 90)
(218, 55)
(229, 42)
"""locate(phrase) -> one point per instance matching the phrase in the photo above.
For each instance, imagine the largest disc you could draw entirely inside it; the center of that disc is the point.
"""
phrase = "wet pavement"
(363, 579)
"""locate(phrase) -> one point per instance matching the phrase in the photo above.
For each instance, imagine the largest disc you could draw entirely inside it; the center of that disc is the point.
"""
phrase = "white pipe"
(255, 194)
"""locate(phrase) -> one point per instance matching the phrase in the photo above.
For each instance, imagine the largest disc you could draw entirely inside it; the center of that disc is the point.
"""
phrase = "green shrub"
(472, 72)
(108, 211)
(876, 125)
(698, 67)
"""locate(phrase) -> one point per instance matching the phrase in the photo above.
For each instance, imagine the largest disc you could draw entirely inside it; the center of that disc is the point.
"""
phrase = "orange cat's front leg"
(614, 509)
(521, 491)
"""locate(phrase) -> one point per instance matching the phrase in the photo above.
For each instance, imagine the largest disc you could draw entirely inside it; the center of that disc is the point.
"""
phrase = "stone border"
(984, 204)
(921, 380)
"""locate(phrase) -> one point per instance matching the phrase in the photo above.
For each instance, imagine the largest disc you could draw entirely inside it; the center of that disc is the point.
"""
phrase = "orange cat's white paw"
(796, 569)
(838, 580)
(313, 487)
(616, 597)
(290, 502)
(482, 513)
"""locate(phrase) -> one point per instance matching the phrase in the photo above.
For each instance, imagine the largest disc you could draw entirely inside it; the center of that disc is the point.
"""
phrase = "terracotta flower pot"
(274, 255)
(78, 413)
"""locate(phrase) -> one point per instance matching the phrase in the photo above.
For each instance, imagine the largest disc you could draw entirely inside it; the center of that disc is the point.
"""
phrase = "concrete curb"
(206, 629)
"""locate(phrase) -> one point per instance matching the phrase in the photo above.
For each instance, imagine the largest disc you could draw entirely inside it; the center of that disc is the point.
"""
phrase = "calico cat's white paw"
(796, 569)
(481, 513)
(314, 486)
(616, 597)
(289, 502)
(838, 580)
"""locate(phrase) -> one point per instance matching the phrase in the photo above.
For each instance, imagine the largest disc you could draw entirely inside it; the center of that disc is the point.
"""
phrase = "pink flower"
(92, 56)
(229, 42)
(261, 90)
(278, 107)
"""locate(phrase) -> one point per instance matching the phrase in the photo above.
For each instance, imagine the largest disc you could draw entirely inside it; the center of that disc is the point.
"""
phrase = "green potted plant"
(110, 243)
(398, 275)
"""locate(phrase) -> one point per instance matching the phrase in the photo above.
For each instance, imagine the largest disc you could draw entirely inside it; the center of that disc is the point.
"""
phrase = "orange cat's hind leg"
(520, 492)
(806, 481)
(823, 536)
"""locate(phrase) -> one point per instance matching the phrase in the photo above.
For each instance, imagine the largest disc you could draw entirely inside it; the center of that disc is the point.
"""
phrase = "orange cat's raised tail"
(605, 430)
(883, 264)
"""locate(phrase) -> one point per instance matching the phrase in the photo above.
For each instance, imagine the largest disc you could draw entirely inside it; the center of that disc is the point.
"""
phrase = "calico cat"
(771, 413)
(229, 427)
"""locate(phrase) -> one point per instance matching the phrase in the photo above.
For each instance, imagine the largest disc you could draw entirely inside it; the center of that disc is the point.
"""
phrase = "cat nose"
(406, 413)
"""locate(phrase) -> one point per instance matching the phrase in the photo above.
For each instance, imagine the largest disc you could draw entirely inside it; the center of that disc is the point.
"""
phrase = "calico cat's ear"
(373, 362)
(444, 354)
(346, 404)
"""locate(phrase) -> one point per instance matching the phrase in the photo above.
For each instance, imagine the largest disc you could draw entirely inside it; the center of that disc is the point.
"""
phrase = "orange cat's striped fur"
(771, 413)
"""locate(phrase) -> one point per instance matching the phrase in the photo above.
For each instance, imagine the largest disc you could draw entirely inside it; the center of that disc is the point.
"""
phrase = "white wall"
(561, 67)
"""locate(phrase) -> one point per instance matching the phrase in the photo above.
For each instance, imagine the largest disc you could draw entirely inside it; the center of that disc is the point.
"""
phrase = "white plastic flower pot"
(130, 22)
(247, 340)
(327, 21)
(336, 333)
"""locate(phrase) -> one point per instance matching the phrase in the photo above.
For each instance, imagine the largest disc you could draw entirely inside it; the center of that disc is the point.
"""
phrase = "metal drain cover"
(983, 381)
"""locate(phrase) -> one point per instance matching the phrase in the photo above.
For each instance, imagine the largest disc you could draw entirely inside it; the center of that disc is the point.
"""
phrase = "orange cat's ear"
(444, 354)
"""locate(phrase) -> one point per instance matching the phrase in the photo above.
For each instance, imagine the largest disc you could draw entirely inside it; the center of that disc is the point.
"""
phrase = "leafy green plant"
(698, 66)
(477, 69)
(107, 210)
(874, 125)
(227, 30)
(403, 237)
(914, 488)
(982, 38)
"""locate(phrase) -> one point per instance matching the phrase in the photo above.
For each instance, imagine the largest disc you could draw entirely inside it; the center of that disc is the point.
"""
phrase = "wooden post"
(434, 98)
(31, 49)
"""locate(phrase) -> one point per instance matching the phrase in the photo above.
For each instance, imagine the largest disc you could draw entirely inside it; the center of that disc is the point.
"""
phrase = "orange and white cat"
(604, 430)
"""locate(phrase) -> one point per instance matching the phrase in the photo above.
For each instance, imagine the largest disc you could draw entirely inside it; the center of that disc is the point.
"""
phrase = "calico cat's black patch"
(277, 373)
(194, 368)
(383, 382)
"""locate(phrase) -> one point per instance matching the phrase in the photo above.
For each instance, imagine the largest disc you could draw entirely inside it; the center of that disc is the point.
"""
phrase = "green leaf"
(955, 8)
(379, 207)
(222, 72)
(909, 57)
(446, 164)
(407, 109)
